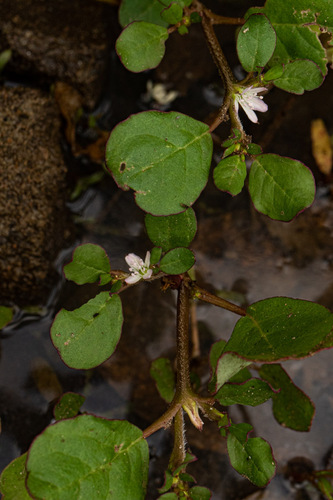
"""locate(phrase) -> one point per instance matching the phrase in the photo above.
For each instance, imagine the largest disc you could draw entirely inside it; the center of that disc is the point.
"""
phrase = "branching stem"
(205, 296)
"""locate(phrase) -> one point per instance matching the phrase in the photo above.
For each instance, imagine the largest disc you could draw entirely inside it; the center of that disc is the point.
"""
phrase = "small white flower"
(139, 269)
(250, 101)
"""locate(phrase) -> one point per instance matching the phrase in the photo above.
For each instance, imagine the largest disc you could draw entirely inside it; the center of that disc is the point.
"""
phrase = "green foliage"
(97, 323)
(12, 480)
(280, 187)
(253, 392)
(6, 315)
(291, 407)
(89, 263)
(177, 261)
(141, 10)
(149, 40)
(252, 52)
(294, 24)
(172, 14)
(172, 231)
(299, 76)
(88, 457)
(281, 328)
(164, 376)
(151, 146)
(68, 406)
(230, 174)
(251, 457)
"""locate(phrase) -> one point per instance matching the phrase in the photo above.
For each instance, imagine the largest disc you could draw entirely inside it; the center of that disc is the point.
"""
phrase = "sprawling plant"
(165, 158)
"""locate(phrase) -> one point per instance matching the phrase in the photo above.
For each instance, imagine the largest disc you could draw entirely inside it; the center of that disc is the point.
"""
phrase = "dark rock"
(33, 215)
(58, 40)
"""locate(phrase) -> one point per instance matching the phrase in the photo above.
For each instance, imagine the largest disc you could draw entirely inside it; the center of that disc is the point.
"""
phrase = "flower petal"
(248, 110)
(147, 274)
(133, 278)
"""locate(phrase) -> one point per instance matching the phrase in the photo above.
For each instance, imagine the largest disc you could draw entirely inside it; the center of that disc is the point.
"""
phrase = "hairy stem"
(205, 296)
(183, 354)
(179, 445)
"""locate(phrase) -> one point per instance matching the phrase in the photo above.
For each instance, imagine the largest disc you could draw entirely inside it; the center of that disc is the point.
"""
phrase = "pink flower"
(250, 101)
(139, 269)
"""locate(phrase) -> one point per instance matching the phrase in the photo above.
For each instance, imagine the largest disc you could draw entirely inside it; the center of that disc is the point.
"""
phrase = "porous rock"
(33, 215)
(58, 40)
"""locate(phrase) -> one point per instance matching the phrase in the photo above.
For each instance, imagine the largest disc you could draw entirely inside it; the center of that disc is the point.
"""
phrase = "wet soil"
(240, 254)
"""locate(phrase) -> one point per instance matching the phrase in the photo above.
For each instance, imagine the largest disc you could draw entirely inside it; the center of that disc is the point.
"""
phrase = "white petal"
(134, 278)
(147, 274)
(147, 260)
(248, 110)
(132, 260)
(260, 89)
(258, 105)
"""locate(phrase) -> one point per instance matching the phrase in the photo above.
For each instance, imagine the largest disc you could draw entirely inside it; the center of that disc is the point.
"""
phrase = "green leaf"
(172, 231)
(172, 14)
(230, 174)
(12, 480)
(200, 493)
(155, 255)
(164, 157)
(253, 392)
(293, 23)
(140, 10)
(68, 405)
(228, 366)
(280, 187)
(87, 336)
(253, 149)
(281, 328)
(251, 457)
(299, 76)
(161, 371)
(88, 457)
(291, 407)
(256, 42)
(177, 261)
(169, 496)
(141, 45)
(273, 73)
(6, 315)
(216, 351)
(89, 264)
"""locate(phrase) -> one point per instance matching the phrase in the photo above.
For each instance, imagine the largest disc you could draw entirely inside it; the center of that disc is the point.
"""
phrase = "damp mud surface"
(240, 254)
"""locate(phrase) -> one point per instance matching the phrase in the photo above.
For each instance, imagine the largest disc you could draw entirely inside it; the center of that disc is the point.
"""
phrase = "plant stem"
(163, 421)
(183, 355)
(179, 445)
(205, 296)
